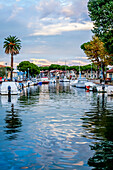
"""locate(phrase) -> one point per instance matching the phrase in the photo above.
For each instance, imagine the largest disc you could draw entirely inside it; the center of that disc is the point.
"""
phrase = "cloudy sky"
(51, 31)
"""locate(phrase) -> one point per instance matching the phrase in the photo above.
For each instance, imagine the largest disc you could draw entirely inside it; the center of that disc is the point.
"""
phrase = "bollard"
(9, 93)
(9, 90)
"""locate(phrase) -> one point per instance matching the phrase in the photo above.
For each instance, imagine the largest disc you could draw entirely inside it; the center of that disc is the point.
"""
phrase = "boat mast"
(79, 71)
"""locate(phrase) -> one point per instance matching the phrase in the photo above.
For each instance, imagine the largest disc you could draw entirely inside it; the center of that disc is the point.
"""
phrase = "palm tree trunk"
(11, 66)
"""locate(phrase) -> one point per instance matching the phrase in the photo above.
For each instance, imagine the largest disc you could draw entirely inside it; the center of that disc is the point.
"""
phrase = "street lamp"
(28, 73)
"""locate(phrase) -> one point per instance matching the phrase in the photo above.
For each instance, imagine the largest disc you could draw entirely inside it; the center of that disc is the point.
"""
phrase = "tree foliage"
(96, 53)
(12, 46)
(25, 65)
(2, 71)
(65, 67)
(101, 13)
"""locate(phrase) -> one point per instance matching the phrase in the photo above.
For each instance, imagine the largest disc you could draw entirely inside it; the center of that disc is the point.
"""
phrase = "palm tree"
(12, 46)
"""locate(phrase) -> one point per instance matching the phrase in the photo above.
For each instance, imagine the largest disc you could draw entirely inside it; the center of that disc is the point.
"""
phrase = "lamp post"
(28, 73)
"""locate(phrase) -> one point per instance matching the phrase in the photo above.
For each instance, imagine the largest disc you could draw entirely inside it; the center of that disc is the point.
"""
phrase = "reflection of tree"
(98, 121)
(13, 122)
(98, 124)
(103, 157)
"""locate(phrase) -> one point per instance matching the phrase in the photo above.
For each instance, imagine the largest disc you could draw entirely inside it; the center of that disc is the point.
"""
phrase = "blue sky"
(51, 31)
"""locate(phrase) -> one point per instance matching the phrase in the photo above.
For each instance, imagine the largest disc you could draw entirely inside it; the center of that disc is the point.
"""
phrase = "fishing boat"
(9, 87)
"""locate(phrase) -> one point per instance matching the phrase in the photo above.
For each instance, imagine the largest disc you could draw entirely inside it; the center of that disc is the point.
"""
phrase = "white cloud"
(40, 62)
(46, 8)
(16, 10)
(2, 63)
(1, 6)
(64, 26)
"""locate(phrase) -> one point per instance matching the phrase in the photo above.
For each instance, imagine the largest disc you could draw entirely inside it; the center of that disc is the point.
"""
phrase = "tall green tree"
(33, 68)
(96, 53)
(101, 13)
(12, 46)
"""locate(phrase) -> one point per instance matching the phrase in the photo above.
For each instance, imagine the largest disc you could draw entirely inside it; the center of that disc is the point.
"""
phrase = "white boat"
(9, 86)
(52, 80)
(44, 80)
(73, 83)
(64, 79)
(90, 86)
(29, 83)
(35, 81)
(110, 91)
(81, 82)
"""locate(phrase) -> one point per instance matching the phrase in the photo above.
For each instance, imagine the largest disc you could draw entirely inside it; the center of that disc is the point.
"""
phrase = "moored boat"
(110, 91)
(9, 87)
(64, 79)
(44, 80)
(73, 83)
(90, 86)
(81, 82)
(52, 80)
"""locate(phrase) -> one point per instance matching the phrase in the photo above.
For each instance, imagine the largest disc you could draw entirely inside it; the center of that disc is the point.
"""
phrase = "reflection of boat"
(81, 82)
(110, 90)
(9, 87)
(90, 86)
(102, 88)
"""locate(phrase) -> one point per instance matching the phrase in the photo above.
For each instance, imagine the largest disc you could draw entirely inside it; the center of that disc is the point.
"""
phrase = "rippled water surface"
(56, 127)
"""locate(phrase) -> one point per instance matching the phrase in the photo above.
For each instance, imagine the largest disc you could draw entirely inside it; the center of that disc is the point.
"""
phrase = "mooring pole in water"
(9, 93)
(12, 109)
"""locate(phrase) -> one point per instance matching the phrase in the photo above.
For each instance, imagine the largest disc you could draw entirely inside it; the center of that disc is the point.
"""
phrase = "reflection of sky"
(51, 32)
(52, 135)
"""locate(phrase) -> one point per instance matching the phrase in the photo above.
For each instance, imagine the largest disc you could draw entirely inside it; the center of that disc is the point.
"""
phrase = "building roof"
(110, 71)
(2, 66)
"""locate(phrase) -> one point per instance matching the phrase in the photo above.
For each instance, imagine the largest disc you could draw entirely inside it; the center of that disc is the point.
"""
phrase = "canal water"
(56, 127)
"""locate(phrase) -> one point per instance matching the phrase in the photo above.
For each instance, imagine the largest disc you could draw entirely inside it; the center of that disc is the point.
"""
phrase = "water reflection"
(98, 125)
(53, 126)
(59, 88)
(103, 157)
(13, 123)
